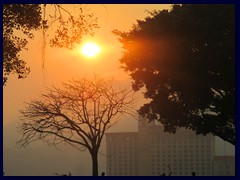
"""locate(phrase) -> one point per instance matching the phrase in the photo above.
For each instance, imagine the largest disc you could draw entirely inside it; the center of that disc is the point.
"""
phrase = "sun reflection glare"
(90, 49)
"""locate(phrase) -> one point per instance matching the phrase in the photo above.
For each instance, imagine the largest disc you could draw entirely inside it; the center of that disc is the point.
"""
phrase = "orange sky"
(62, 65)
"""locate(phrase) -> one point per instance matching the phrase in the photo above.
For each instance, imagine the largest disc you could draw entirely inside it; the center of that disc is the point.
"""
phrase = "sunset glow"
(119, 89)
(90, 49)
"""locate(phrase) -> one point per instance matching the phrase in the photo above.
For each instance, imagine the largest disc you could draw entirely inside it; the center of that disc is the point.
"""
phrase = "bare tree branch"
(78, 114)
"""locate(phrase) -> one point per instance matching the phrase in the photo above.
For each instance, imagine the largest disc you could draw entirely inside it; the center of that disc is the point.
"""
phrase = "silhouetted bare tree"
(77, 114)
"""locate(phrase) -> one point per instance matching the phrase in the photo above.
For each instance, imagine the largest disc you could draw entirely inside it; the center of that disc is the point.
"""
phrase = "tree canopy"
(20, 21)
(185, 58)
(77, 114)
(18, 17)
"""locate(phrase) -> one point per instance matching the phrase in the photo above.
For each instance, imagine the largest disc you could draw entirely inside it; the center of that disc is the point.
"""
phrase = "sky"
(61, 65)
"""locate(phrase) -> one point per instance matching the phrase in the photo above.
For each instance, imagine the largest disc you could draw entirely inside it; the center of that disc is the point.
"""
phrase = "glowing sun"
(90, 49)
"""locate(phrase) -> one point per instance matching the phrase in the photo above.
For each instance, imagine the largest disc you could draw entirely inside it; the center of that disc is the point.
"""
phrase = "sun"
(90, 49)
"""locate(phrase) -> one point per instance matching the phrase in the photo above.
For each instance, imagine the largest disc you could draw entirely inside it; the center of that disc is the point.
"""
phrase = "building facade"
(224, 166)
(122, 154)
(153, 152)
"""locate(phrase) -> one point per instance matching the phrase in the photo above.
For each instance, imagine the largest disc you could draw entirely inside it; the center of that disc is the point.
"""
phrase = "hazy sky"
(62, 65)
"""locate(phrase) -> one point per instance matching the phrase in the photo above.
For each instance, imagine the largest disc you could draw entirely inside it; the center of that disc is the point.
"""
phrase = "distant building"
(122, 154)
(153, 152)
(224, 166)
(181, 153)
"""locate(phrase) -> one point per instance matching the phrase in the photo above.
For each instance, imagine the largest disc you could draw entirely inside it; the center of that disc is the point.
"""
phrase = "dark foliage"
(185, 58)
(23, 18)
(20, 21)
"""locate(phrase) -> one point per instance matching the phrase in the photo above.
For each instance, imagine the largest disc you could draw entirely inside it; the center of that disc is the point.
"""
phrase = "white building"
(152, 152)
(181, 153)
(122, 154)
(224, 166)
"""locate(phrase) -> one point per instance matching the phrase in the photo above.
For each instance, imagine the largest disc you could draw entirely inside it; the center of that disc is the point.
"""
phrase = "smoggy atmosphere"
(181, 73)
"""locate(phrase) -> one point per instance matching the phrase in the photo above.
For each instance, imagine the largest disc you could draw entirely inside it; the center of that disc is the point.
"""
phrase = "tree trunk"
(94, 155)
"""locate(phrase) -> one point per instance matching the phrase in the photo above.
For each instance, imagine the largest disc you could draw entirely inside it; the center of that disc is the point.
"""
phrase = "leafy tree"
(185, 58)
(24, 18)
(19, 22)
(77, 114)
